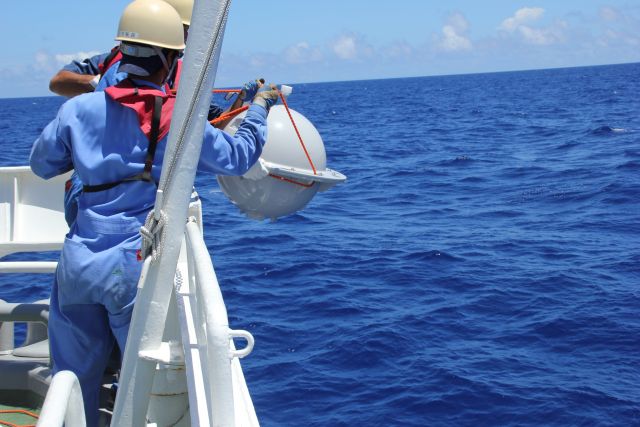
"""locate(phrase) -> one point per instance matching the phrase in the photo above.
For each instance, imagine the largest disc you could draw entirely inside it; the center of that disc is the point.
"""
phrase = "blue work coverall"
(96, 280)
(111, 77)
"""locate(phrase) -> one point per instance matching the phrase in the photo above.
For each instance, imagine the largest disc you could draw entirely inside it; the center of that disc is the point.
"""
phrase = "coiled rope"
(152, 228)
(17, 411)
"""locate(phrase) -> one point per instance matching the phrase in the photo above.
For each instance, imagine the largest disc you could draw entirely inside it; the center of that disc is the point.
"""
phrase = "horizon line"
(402, 77)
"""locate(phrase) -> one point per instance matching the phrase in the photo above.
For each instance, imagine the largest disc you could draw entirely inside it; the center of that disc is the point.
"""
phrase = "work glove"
(250, 89)
(266, 96)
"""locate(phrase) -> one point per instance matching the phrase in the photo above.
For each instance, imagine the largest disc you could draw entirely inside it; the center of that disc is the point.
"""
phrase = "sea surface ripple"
(481, 266)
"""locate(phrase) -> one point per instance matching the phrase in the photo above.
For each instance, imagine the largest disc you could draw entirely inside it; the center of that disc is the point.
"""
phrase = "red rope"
(282, 178)
(17, 411)
(286, 107)
(227, 90)
(233, 113)
(228, 114)
(218, 91)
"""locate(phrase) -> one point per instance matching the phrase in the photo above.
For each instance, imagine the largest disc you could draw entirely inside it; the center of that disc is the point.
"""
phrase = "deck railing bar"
(35, 267)
(219, 361)
(193, 349)
(63, 404)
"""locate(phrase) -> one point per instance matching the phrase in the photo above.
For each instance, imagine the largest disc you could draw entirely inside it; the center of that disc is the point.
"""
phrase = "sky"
(301, 41)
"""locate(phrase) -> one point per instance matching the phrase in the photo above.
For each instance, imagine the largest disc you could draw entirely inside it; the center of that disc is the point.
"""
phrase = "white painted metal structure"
(63, 404)
(197, 378)
(31, 219)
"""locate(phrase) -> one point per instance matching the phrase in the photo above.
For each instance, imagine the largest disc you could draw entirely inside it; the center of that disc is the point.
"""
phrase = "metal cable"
(204, 71)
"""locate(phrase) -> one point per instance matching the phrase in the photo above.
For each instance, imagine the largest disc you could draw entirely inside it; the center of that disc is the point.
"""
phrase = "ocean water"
(481, 266)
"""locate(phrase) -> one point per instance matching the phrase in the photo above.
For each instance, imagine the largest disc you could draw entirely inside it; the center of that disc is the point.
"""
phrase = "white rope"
(153, 233)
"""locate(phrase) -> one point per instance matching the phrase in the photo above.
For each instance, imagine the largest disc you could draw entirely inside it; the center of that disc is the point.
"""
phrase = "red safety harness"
(154, 109)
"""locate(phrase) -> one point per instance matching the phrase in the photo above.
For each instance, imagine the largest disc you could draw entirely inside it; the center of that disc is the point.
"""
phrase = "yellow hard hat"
(151, 22)
(184, 8)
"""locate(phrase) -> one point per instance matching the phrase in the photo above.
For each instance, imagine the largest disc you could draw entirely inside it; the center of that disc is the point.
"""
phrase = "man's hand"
(267, 96)
(250, 89)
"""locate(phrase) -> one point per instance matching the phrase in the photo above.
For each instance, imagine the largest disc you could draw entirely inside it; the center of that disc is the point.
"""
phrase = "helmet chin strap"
(173, 66)
(165, 63)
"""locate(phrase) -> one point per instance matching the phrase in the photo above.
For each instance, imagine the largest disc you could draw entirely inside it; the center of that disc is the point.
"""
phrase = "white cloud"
(351, 47)
(519, 25)
(608, 14)
(64, 58)
(454, 37)
(50, 63)
(257, 61)
(302, 53)
(345, 47)
(399, 49)
(32, 77)
(521, 17)
(620, 28)
(611, 38)
(543, 36)
(42, 61)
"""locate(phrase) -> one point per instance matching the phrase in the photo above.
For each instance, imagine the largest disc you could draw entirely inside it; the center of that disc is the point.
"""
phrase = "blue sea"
(480, 267)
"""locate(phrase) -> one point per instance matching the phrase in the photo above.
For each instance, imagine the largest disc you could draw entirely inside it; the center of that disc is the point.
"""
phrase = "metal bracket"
(168, 353)
(240, 333)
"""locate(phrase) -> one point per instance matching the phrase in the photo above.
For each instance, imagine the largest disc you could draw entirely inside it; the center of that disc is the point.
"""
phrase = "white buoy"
(283, 181)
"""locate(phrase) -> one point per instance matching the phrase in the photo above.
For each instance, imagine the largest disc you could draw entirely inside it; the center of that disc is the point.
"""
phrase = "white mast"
(172, 201)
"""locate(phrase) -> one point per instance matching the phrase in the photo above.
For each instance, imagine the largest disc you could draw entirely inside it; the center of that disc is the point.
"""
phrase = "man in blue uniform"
(102, 71)
(115, 140)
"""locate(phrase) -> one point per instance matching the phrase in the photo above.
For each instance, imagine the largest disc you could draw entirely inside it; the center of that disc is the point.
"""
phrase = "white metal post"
(172, 201)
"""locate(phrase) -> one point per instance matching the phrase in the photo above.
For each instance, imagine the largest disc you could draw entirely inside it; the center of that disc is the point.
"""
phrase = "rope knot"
(153, 234)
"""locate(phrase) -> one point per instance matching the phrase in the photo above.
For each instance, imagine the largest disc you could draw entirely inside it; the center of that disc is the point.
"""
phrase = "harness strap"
(114, 56)
(145, 175)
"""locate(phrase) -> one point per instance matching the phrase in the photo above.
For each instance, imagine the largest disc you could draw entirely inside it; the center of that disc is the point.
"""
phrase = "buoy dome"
(283, 181)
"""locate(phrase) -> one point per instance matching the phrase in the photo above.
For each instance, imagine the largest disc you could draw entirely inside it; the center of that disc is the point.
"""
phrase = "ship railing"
(35, 315)
(63, 404)
(196, 344)
(31, 216)
(31, 220)
(208, 338)
(195, 335)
